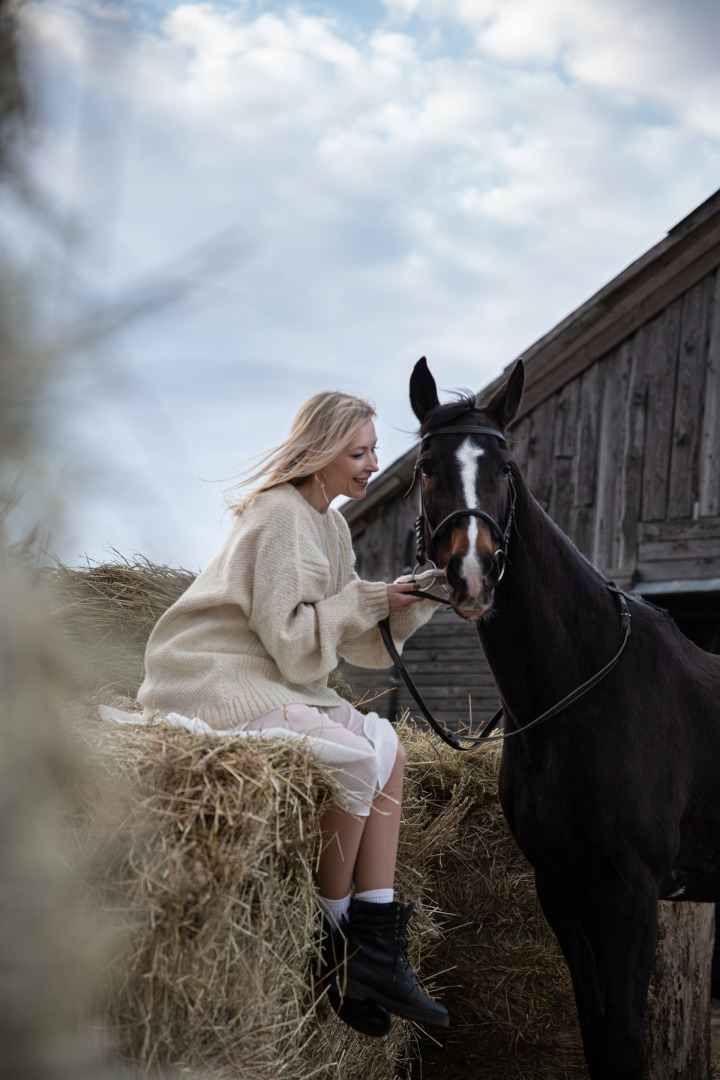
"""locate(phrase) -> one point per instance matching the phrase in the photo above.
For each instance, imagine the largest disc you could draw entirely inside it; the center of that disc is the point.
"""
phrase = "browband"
(465, 430)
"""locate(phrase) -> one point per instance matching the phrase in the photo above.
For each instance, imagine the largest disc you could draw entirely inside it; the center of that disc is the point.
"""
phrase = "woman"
(250, 646)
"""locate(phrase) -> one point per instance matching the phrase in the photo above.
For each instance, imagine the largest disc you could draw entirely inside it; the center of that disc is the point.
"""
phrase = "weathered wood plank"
(670, 550)
(439, 641)
(684, 461)
(462, 680)
(690, 569)
(678, 1006)
(463, 664)
(702, 549)
(380, 550)
(586, 457)
(700, 528)
(451, 702)
(634, 423)
(440, 644)
(449, 660)
(565, 446)
(662, 341)
(539, 468)
(455, 709)
(611, 446)
(519, 441)
(709, 480)
(581, 529)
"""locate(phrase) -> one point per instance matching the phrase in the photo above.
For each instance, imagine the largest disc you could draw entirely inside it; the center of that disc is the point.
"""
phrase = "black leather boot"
(378, 966)
(366, 1016)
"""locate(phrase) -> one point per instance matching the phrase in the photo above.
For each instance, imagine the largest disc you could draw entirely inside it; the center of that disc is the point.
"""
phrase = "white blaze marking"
(467, 456)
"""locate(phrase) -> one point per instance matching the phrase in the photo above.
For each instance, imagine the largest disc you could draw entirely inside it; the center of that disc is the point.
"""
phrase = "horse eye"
(426, 470)
(506, 469)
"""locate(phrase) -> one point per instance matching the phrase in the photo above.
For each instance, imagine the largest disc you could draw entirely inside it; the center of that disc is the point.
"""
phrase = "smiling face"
(348, 474)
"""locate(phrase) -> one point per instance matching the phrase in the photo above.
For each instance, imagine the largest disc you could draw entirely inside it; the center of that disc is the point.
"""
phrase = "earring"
(322, 485)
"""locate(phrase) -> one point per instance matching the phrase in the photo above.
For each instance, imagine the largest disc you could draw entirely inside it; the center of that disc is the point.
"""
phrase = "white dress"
(360, 749)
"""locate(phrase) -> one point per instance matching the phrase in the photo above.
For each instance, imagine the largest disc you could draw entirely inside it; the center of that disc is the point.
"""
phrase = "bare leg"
(362, 848)
(377, 855)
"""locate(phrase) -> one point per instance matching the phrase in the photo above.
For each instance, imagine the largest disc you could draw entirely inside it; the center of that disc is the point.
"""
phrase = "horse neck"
(552, 616)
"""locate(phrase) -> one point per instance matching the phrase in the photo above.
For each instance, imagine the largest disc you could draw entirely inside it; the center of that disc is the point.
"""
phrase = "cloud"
(654, 50)
(451, 179)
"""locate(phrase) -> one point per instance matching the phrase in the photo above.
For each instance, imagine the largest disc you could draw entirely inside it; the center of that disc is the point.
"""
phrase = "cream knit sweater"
(263, 624)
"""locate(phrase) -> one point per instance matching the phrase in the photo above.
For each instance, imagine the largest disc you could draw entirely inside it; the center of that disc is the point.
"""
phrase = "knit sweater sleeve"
(296, 610)
(368, 650)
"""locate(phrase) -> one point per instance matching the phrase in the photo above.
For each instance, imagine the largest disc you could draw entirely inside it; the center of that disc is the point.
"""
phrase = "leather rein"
(452, 738)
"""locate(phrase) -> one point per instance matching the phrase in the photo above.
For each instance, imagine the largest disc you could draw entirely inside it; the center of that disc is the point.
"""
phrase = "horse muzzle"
(472, 579)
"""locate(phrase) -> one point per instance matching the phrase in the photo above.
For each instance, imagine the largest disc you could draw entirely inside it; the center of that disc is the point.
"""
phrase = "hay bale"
(211, 871)
(108, 610)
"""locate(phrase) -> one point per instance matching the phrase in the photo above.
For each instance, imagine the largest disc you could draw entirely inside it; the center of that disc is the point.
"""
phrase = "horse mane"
(449, 412)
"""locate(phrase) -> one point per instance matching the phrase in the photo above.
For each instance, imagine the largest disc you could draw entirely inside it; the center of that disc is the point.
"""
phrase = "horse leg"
(609, 944)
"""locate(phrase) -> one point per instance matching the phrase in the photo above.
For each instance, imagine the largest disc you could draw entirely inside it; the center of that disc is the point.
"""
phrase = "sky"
(245, 203)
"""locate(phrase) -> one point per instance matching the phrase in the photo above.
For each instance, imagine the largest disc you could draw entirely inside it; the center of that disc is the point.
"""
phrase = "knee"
(400, 758)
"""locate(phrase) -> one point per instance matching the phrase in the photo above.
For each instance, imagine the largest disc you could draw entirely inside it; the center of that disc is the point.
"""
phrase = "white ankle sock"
(376, 896)
(335, 909)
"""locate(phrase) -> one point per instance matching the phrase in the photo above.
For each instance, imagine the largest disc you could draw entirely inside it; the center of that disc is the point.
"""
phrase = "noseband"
(422, 522)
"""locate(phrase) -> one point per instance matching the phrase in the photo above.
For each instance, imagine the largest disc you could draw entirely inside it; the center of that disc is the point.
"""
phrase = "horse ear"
(505, 403)
(423, 391)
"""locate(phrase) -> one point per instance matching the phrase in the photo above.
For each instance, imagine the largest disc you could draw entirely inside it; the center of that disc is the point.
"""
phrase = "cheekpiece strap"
(420, 551)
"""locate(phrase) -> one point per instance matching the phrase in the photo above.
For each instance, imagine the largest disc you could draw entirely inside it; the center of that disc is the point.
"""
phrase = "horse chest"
(559, 818)
(538, 811)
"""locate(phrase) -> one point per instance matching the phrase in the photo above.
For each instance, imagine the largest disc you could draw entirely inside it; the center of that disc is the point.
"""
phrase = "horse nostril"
(453, 571)
(491, 570)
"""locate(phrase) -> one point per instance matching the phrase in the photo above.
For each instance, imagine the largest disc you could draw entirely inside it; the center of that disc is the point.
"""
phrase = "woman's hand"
(400, 596)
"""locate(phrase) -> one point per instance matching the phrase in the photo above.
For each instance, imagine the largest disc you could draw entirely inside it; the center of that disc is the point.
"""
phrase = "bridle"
(422, 523)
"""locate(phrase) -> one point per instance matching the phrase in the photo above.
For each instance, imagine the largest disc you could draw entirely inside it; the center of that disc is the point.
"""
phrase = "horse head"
(467, 491)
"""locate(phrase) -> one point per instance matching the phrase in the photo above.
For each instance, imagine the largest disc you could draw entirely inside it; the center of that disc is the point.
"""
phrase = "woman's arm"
(368, 649)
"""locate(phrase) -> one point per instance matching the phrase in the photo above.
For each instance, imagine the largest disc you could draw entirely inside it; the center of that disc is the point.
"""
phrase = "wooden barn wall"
(625, 457)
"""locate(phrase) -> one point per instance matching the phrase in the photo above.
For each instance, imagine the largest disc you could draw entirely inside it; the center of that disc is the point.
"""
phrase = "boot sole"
(358, 1025)
(360, 991)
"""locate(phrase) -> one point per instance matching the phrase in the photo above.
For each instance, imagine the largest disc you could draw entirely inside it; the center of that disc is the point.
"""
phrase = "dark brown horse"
(616, 800)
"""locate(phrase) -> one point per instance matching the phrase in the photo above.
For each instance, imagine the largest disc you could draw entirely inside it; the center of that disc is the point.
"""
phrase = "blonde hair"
(321, 430)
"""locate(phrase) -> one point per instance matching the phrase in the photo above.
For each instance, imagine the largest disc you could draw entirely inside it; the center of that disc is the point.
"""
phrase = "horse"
(615, 799)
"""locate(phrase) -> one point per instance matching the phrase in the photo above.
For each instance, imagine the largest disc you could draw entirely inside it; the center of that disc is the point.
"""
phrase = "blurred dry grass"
(53, 940)
(51, 943)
